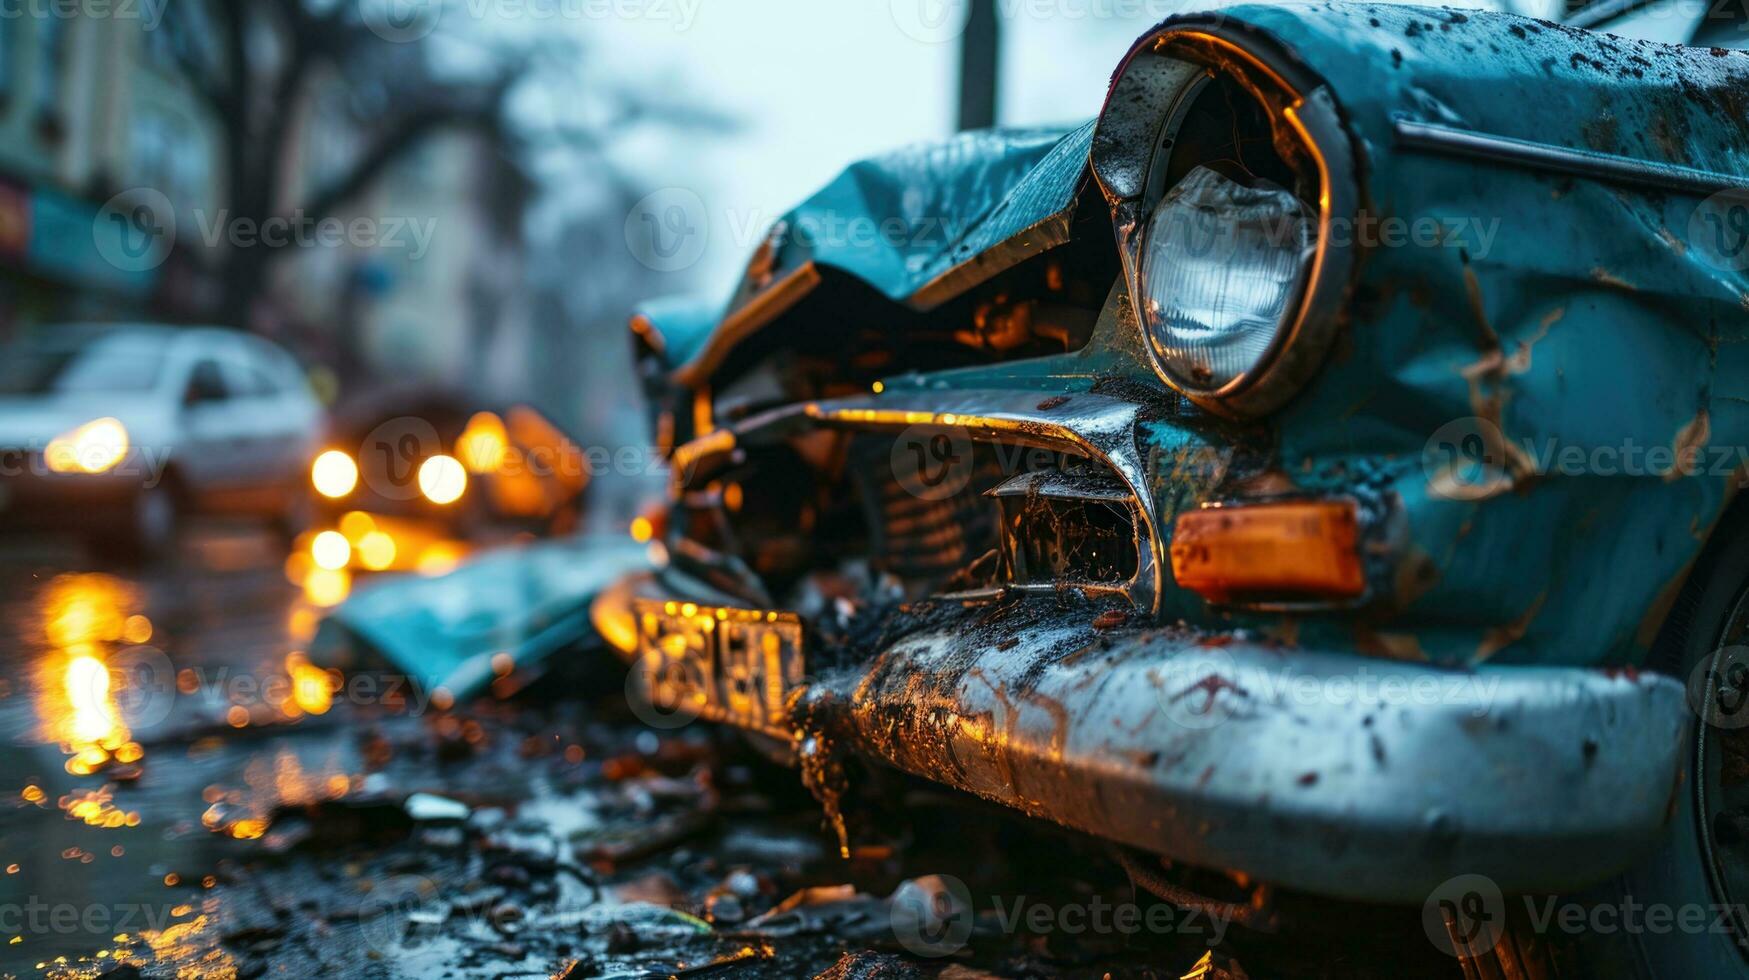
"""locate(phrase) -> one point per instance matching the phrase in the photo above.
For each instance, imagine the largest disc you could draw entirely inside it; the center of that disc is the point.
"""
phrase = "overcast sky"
(818, 84)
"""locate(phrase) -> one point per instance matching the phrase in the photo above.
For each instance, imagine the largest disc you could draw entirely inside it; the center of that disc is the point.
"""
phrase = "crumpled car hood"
(920, 224)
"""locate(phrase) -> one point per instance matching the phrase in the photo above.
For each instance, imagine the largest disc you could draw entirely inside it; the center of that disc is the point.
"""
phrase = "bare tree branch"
(406, 133)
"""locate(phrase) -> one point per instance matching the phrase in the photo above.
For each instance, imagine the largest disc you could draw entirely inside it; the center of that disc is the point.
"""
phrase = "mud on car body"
(1192, 485)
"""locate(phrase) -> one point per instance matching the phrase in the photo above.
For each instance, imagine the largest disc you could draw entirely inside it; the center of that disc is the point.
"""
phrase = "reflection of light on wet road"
(188, 945)
(86, 609)
(84, 620)
(93, 717)
(96, 808)
(87, 815)
(312, 687)
(245, 812)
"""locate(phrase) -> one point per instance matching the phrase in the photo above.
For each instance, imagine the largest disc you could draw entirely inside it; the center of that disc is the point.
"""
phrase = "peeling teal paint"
(1614, 325)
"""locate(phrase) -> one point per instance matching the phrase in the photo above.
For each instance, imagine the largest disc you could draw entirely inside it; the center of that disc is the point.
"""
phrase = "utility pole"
(980, 49)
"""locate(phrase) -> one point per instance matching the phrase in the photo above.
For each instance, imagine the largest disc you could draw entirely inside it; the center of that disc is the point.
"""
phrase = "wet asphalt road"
(104, 788)
(181, 794)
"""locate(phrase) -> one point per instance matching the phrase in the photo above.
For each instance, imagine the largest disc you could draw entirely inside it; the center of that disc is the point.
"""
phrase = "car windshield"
(102, 364)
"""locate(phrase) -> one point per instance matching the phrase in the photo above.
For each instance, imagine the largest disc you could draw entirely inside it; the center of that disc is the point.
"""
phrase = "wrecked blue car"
(1321, 467)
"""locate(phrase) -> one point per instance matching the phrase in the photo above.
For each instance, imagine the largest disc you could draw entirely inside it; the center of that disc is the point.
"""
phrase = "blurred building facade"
(436, 289)
(88, 107)
(92, 106)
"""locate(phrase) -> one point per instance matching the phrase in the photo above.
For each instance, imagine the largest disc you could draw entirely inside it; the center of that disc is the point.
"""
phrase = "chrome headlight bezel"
(1149, 99)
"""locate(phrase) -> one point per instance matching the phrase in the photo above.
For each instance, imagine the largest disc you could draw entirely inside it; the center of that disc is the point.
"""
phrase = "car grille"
(922, 535)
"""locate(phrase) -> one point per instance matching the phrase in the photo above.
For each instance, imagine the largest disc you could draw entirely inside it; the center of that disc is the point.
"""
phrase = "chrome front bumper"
(1324, 772)
(1329, 773)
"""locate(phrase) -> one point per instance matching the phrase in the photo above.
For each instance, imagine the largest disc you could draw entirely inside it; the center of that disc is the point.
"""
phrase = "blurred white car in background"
(118, 432)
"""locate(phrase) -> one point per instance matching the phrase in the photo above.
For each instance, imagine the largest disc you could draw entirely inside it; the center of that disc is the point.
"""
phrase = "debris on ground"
(544, 832)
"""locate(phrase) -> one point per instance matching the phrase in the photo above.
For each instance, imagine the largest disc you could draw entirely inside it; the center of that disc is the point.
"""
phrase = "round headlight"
(1222, 268)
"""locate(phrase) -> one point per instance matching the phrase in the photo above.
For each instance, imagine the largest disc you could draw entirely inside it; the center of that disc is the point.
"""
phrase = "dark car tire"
(149, 531)
(1675, 874)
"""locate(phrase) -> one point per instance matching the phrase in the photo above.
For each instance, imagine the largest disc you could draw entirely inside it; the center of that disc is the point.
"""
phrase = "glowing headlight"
(334, 474)
(442, 479)
(331, 550)
(95, 447)
(1221, 272)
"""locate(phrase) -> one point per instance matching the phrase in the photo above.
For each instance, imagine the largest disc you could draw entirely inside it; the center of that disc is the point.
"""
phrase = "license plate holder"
(734, 666)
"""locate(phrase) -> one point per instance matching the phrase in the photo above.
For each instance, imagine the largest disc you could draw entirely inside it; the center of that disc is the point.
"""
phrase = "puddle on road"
(107, 686)
(84, 621)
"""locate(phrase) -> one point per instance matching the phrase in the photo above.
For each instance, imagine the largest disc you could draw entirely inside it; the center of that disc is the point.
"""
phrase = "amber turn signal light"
(1288, 550)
